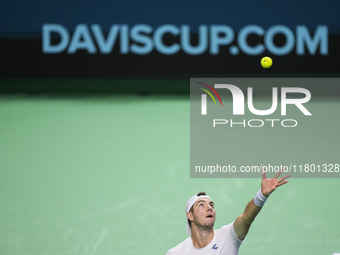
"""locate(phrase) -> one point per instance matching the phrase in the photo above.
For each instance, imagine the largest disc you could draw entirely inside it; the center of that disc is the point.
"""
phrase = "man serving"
(227, 240)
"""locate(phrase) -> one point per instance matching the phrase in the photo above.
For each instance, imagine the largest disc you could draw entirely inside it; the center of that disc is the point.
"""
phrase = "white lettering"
(262, 112)
(238, 98)
(297, 102)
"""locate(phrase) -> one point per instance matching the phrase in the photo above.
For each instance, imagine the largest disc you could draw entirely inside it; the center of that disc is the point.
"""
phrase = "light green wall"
(110, 175)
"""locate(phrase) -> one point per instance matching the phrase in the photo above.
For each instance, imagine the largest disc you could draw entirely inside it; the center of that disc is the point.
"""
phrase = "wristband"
(260, 199)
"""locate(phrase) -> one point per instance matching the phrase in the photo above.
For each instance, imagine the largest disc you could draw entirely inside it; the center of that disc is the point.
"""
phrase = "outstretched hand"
(269, 185)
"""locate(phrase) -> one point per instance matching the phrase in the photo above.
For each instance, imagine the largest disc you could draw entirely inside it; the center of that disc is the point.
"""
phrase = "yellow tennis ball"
(266, 62)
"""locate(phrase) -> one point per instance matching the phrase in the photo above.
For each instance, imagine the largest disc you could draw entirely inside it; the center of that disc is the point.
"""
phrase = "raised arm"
(243, 222)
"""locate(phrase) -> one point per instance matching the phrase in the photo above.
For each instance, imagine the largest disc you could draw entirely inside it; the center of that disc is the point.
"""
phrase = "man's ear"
(190, 217)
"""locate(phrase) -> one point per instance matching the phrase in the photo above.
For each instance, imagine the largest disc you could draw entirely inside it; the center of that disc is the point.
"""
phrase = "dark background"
(25, 68)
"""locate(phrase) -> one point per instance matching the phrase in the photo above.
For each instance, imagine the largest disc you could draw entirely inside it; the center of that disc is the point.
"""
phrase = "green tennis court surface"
(110, 175)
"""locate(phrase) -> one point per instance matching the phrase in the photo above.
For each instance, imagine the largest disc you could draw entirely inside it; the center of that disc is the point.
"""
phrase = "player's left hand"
(269, 185)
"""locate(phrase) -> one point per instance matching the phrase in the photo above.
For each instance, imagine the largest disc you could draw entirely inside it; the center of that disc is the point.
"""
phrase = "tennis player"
(201, 216)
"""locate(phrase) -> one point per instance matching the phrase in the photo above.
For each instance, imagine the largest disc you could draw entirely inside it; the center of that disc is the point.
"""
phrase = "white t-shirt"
(225, 241)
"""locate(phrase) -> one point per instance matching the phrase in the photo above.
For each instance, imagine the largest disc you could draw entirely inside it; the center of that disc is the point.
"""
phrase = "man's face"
(203, 214)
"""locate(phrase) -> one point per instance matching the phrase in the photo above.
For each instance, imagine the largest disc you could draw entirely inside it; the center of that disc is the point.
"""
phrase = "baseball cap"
(188, 206)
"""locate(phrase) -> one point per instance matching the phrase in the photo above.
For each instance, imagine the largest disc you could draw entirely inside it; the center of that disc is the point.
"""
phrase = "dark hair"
(202, 193)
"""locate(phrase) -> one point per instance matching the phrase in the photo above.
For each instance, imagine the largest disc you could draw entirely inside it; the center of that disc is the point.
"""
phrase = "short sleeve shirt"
(225, 241)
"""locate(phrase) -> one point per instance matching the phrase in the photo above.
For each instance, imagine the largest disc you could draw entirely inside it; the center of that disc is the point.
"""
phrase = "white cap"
(188, 206)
